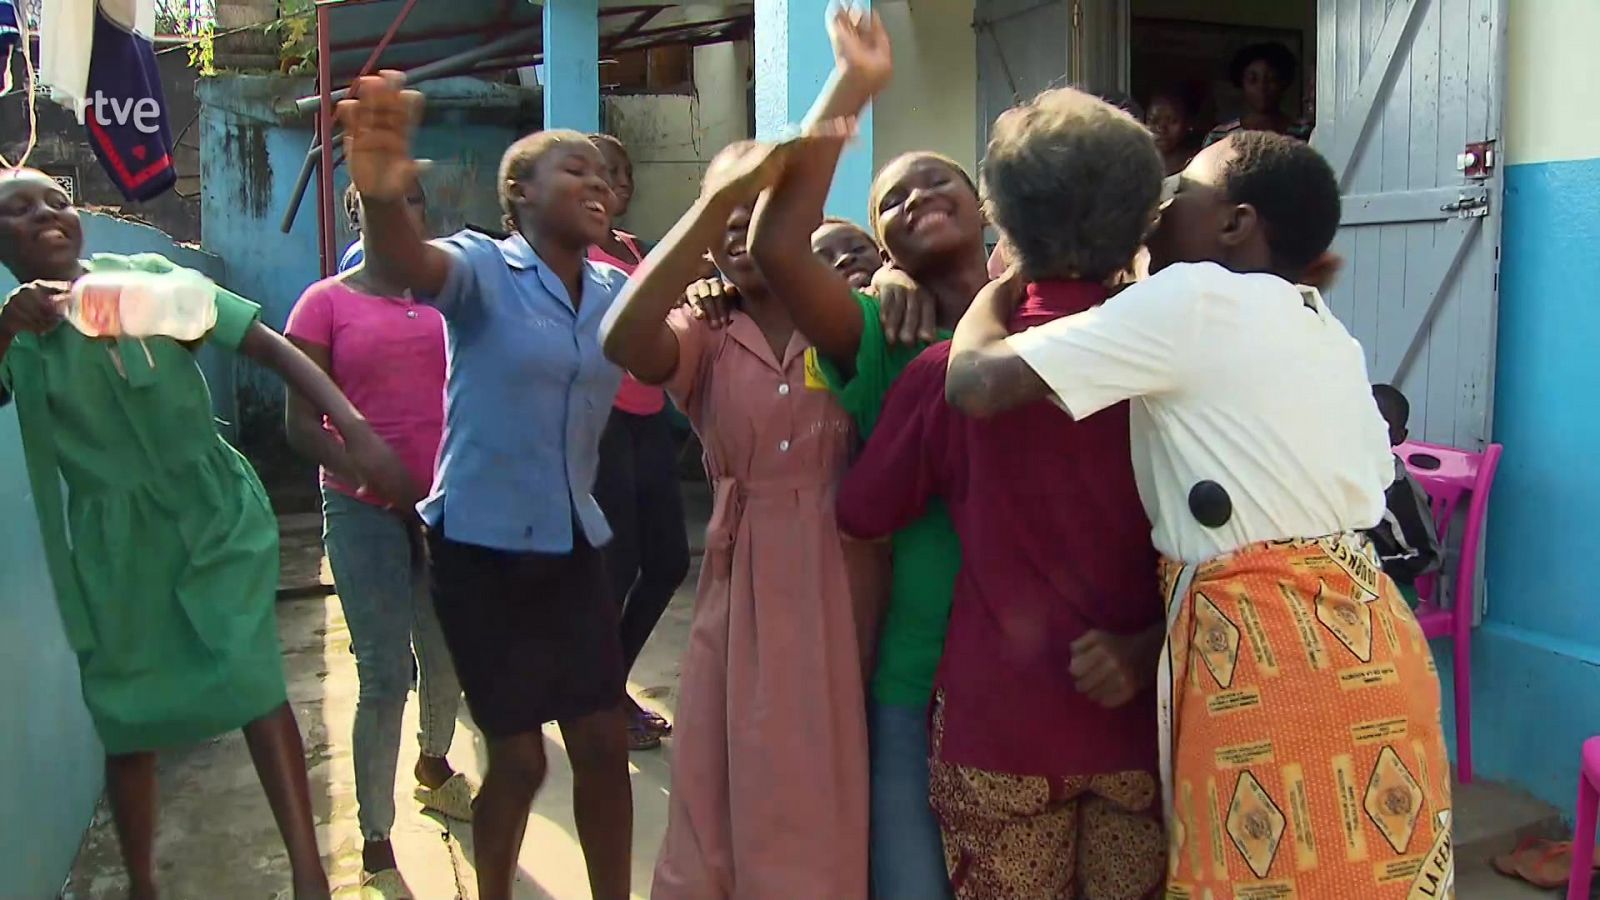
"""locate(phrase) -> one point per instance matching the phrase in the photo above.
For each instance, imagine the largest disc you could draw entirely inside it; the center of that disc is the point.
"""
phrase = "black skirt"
(533, 635)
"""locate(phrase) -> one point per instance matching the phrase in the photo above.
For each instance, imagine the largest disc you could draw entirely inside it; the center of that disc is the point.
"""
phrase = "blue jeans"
(907, 852)
(379, 571)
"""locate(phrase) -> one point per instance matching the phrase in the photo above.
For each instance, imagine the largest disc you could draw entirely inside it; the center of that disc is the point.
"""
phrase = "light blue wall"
(793, 60)
(1536, 665)
(52, 774)
(254, 154)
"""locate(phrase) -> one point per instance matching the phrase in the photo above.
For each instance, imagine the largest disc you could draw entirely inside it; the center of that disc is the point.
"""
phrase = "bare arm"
(634, 333)
(377, 465)
(303, 422)
(986, 377)
(397, 253)
(820, 300)
(379, 119)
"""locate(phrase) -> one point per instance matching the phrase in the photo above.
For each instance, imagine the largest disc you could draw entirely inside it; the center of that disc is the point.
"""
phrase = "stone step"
(1492, 819)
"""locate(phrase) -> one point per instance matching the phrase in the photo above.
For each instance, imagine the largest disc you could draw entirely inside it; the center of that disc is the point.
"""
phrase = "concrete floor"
(217, 838)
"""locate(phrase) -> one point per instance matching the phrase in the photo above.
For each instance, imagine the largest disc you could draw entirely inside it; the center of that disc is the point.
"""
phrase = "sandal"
(1540, 862)
(453, 799)
(640, 737)
(385, 885)
(655, 722)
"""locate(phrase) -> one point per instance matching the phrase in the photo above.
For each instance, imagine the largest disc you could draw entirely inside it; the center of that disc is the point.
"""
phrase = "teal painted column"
(793, 59)
(572, 65)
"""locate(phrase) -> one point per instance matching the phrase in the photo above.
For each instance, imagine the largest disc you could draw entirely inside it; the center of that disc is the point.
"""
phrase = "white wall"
(933, 101)
(1552, 88)
(671, 137)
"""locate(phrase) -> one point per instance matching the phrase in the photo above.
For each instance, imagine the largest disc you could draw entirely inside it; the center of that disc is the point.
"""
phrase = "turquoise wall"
(1536, 664)
(52, 774)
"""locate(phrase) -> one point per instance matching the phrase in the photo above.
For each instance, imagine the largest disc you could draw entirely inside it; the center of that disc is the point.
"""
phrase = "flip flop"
(655, 722)
(1542, 863)
(453, 799)
(640, 737)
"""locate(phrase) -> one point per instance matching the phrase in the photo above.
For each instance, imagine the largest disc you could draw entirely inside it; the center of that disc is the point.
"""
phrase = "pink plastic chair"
(1583, 834)
(1447, 474)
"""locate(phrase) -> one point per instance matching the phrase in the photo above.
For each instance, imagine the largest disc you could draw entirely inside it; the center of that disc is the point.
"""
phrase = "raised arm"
(986, 377)
(819, 299)
(378, 120)
(634, 333)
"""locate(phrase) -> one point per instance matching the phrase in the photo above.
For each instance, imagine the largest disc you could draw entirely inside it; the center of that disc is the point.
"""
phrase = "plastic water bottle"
(180, 305)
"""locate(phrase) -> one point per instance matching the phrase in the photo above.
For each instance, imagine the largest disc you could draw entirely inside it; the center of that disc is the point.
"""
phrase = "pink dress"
(769, 767)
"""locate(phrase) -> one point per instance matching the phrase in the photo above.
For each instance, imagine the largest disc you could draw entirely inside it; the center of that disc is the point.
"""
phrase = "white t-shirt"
(1243, 380)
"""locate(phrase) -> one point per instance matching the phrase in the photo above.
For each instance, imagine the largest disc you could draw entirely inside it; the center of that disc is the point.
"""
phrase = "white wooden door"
(1404, 87)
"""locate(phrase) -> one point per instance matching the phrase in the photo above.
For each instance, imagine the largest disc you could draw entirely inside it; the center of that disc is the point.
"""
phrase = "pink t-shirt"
(632, 397)
(388, 357)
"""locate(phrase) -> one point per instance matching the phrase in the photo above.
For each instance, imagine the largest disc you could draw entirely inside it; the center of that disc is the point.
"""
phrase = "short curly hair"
(1293, 190)
(522, 158)
(1072, 183)
(1273, 54)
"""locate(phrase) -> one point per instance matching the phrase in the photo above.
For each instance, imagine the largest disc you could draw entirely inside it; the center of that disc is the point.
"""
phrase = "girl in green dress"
(164, 552)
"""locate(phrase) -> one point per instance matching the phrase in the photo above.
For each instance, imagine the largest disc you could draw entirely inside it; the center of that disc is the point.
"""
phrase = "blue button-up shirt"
(527, 397)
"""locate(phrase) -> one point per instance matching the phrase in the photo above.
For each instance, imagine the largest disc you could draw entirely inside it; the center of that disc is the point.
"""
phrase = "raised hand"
(711, 301)
(741, 175)
(861, 47)
(378, 120)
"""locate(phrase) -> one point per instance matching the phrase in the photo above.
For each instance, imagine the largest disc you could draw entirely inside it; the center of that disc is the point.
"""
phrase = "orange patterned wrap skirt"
(1302, 749)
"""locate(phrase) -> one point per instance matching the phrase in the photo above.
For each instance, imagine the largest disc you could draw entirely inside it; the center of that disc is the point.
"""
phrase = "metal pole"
(325, 132)
(450, 65)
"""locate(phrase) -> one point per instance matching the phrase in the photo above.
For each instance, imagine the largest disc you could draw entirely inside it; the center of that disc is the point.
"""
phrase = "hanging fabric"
(137, 16)
(14, 36)
(134, 142)
(65, 50)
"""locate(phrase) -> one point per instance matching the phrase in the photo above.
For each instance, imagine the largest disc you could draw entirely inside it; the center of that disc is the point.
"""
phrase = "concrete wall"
(253, 155)
(933, 99)
(671, 137)
(63, 149)
(1536, 689)
(52, 775)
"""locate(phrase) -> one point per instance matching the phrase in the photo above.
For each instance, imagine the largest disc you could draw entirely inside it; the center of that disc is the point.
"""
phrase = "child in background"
(637, 483)
(847, 248)
(1407, 541)
(514, 534)
(386, 352)
(1043, 730)
(165, 555)
(925, 210)
(1300, 711)
(1171, 121)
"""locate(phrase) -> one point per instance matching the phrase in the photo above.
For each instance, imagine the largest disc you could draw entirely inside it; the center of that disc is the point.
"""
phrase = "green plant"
(192, 19)
(296, 30)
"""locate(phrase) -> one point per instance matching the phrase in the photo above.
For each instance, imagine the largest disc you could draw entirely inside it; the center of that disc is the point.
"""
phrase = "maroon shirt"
(1054, 544)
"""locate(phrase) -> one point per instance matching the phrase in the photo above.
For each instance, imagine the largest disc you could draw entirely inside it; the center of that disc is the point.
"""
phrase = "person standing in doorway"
(514, 534)
(1263, 73)
(386, 352)
(637, 485)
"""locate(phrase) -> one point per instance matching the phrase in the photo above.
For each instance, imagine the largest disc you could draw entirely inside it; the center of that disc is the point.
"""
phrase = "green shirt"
(927, 553)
